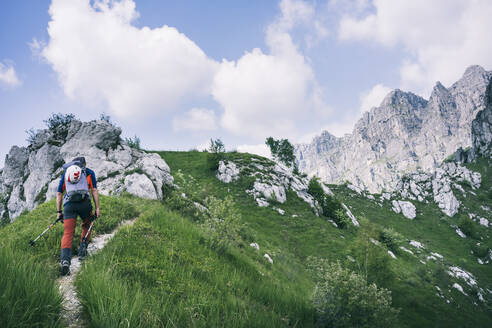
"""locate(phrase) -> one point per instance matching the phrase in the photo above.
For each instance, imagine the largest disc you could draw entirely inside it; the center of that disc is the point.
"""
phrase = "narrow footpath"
(72, 313)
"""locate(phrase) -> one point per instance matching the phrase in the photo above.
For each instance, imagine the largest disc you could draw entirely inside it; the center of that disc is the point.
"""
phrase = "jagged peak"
(474, 70)
(439, 91)
(398, 96)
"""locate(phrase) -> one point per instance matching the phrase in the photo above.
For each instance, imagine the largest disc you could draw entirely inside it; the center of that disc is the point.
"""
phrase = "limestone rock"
(227, 172)
(406, 208)
(140, 185)
(404, 133)
(31, 175)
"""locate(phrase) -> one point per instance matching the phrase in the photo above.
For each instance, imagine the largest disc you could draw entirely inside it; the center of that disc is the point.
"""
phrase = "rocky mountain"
(31, 174)
(405, 134)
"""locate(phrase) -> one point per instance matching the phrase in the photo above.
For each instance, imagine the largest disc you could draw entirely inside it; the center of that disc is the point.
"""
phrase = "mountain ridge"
(403, 134)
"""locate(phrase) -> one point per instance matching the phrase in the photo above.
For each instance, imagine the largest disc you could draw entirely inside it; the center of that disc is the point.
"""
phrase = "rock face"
(405, 133)
(31, 174)
(438, 186)
(482, 129)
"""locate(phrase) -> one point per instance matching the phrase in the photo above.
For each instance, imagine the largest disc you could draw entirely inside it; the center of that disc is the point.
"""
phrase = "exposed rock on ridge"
(404, 134)
(31, 174)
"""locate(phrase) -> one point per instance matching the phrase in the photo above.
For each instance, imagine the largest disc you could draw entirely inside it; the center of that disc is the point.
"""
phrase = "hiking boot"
(82, 252)
(65, 267)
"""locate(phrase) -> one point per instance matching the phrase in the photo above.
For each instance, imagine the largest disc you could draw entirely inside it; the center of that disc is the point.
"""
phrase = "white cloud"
(196, 119)
(101, 57)
(266, 94)
(8, 76)
(373, 97)
(441, 37)
(260, 149)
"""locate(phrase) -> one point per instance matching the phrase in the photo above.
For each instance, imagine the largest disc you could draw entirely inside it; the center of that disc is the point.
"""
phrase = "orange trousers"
(69, 230)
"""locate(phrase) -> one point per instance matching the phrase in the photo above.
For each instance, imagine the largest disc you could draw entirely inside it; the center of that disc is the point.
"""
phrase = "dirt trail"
(72, 314)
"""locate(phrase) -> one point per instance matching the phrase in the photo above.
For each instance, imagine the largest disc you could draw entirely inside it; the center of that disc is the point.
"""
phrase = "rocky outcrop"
(31, 174)
(406, 133)
(271, 181)
(439, 186)
(405, 207)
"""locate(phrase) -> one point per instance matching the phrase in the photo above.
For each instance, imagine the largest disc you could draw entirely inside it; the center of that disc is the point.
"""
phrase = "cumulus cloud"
(267, 93)
(441, 37)
(373, 97)
(196, 119)
(260, 149)
(8, 76)
(100, 56)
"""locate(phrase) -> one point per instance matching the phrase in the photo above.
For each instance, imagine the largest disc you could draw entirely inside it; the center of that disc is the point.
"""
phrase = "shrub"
(468, 227)
(371, 260)
(223, 222)
(106, 118)
(31, 135)
(341, 218)
(133, 142)
(58, 120)
(330, 206)
(391, 238)
(343, 298)
(480, 250)
(58, 124)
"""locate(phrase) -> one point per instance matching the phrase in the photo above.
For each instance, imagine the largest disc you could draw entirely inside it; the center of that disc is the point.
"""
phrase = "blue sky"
(176, 73)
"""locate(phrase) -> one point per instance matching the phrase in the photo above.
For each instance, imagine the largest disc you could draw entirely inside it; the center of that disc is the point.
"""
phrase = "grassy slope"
(28, 294)
(415, 292)
(161, 272)
(293, 239)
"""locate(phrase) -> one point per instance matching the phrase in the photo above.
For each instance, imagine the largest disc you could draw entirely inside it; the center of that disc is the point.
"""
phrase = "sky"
(177, 73)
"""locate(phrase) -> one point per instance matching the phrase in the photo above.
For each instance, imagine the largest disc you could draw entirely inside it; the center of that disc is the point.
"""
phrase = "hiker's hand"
(59, 216)
(98, 213)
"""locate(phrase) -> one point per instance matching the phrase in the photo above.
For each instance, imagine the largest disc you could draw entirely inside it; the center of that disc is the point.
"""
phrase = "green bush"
(343, 298)
(222, 222)
(480, 250)
(467, 226)
(133, 142)
(341, 218)
(371, 260)
(330, 206)
(391, 238)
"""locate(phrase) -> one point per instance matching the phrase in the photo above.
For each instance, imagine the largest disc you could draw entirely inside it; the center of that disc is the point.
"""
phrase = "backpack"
(79, 191)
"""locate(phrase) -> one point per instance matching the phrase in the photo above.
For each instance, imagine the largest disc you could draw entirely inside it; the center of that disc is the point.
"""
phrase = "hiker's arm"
(59, 197)
(95, 195)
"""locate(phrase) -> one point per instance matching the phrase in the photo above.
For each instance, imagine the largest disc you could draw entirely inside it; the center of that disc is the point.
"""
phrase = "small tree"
(216, 152)
(216, 146)
(282, 150)
(133, 142)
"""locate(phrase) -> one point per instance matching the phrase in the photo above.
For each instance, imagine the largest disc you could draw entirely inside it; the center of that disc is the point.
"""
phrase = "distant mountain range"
(405, 134)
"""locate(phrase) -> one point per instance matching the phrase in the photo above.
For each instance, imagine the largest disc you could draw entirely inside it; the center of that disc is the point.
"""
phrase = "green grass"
(161, 272)
(28, 293)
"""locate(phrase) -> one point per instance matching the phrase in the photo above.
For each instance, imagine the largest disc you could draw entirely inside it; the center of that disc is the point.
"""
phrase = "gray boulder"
(31, 175)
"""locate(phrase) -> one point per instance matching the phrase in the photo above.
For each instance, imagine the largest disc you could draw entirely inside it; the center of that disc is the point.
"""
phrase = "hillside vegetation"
(181, 265)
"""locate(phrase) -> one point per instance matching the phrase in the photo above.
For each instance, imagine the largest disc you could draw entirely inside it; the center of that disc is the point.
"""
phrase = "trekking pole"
(83, 244)
(31, 242)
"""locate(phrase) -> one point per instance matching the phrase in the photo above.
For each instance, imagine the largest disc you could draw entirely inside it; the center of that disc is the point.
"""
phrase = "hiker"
(76, 180)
